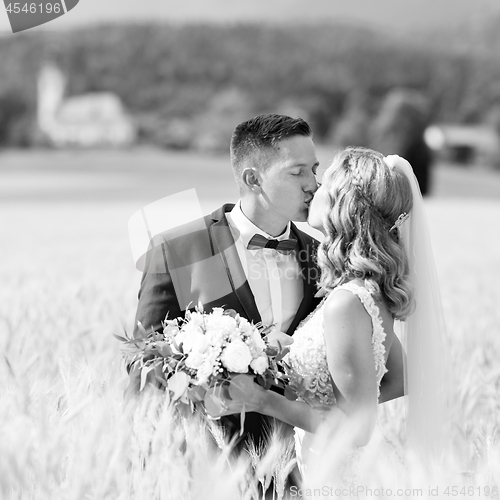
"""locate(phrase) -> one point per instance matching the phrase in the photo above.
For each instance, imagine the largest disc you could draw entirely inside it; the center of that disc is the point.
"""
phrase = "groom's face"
(289, 182)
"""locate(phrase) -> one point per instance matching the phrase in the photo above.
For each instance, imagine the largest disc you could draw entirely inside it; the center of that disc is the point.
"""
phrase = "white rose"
(259, 365)
(194, 360)
(224, 325)
(195, 341)
(236, 357)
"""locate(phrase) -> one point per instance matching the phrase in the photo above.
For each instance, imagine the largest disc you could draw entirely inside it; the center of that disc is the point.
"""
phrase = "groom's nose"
(312, 184)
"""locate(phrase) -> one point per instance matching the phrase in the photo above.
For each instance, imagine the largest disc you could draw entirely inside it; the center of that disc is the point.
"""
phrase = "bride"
(376, 275)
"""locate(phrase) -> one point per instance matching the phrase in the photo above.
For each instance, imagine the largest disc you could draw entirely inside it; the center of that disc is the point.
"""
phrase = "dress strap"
(367, 300)
(378, 333)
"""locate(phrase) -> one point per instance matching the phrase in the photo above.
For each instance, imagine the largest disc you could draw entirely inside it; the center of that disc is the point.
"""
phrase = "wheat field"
(68, 282)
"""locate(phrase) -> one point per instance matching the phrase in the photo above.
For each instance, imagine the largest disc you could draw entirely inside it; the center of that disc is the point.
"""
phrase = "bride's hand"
(247, 396)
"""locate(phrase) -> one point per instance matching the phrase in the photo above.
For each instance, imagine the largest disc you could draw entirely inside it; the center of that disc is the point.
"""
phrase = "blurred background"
(129, 99)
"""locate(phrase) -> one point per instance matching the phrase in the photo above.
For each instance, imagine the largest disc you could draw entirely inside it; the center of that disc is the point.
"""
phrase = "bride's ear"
(251, 179)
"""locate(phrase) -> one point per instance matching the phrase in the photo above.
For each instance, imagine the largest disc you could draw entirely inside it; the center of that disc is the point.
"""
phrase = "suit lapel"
(225, 247)
(223, 241)
(310, 275)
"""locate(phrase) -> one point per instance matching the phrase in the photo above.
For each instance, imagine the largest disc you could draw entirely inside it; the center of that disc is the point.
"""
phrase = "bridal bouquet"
(207, 358)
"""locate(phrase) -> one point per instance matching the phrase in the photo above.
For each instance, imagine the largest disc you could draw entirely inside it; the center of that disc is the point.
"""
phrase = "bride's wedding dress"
(307, 359)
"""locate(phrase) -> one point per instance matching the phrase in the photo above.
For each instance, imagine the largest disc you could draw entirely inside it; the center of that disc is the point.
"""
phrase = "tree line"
(188, 85)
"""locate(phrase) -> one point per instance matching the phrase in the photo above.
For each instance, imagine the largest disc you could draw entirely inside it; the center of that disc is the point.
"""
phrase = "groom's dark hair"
(261, 134)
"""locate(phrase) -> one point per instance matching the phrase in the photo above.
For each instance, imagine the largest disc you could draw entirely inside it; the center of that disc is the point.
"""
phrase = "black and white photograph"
(249, 249)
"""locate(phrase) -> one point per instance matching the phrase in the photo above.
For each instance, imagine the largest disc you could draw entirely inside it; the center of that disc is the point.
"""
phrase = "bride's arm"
(297, 413)
(348, 338)
(294, 413)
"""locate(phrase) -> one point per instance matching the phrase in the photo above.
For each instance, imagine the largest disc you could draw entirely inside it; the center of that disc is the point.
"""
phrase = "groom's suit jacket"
(198, 262)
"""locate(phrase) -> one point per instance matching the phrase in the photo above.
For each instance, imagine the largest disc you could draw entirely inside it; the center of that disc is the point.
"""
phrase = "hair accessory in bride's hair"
(404, 216)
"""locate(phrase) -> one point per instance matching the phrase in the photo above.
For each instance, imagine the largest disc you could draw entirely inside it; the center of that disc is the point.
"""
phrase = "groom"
(249, 257)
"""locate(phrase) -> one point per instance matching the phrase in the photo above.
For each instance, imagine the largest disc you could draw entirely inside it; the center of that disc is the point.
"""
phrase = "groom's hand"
(245, 396)
(277, 338)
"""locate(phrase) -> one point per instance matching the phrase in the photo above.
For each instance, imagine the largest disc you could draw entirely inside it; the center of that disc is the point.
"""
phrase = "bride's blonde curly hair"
(365, 197)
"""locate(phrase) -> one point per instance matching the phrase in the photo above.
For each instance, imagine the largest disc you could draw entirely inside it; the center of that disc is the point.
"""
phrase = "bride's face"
(317, 208)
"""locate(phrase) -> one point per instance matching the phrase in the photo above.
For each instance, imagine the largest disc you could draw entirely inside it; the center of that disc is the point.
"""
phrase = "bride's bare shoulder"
(344, 307)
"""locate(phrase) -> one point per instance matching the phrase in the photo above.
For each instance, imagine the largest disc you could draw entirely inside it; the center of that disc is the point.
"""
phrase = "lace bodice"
(307, 356)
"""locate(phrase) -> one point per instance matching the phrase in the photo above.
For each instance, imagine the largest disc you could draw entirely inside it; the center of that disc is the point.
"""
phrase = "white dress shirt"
(274, 277)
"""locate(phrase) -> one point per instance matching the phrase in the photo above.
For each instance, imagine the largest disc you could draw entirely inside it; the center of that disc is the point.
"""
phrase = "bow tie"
(258, 241)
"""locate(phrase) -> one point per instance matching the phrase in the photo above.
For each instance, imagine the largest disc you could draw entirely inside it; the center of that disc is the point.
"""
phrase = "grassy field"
(68, 282)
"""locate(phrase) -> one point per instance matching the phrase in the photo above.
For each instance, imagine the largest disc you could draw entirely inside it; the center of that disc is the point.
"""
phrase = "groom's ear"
(251, 178)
